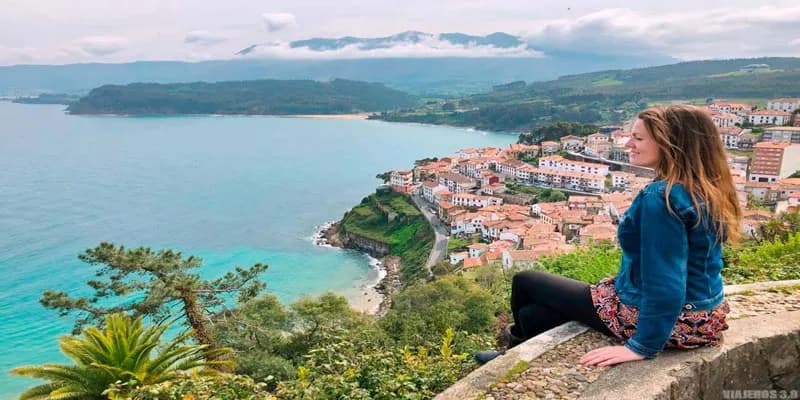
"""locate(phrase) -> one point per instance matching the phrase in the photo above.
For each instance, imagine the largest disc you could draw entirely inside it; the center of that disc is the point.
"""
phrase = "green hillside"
(609, 96)
(408, 233)
(269, 97)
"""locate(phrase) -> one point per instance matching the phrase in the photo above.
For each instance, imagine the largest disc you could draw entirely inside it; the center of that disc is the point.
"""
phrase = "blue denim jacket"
(669, 265)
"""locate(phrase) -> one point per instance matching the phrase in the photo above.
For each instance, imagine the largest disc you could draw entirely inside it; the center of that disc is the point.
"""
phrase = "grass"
(409, 235)
(606, 82)
(456, 244)
(744, 73)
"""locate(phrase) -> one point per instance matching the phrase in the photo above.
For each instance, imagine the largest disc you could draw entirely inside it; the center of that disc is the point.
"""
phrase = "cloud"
(428, 47)
(719, 33)
(102, 45)
(204, 38)
(275, 22)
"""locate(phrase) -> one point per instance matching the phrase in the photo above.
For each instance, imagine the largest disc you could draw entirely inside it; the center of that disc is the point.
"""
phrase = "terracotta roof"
(771, 145)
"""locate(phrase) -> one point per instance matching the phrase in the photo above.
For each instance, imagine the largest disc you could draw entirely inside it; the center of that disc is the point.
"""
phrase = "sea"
(233, 190)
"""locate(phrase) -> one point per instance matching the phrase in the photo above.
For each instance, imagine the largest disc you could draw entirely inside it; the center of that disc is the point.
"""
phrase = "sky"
(70, 31)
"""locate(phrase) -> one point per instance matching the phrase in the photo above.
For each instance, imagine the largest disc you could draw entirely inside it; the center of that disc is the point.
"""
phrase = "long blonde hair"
(693, 155)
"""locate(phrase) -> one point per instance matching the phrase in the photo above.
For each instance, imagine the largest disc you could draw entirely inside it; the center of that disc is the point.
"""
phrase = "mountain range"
(425, 76)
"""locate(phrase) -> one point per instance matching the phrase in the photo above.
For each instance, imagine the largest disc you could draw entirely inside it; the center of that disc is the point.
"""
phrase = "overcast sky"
(67, 31)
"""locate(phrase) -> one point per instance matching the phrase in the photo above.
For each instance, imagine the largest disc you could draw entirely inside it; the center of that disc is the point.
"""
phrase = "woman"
(668, 291)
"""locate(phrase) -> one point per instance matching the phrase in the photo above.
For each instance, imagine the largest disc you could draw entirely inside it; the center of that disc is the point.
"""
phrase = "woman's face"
(644, 150)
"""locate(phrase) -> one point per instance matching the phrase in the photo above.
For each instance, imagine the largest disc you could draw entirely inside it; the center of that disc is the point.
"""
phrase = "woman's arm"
(664, 254)
(663, 268)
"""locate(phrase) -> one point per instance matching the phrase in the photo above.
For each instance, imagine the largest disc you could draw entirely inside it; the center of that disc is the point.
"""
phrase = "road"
(439, 249)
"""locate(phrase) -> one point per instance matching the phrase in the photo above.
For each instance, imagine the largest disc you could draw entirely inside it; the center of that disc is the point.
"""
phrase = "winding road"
(439, 249)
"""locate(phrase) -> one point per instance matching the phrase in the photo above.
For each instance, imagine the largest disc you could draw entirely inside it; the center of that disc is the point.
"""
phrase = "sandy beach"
(332, 116)
(370, 298)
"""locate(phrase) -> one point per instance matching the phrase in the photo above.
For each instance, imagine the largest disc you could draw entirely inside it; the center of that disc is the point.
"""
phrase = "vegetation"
(555, 131)
(407, 234)
(318, 348)
(607, 96)
(543, 195)
(272, 97)
(157, 285)
(112, 361)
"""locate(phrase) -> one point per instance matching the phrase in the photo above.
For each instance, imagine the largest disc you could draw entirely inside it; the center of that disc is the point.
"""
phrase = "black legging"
(541, 301)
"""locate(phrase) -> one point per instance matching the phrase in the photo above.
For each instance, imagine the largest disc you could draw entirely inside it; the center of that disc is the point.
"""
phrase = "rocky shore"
(388, 271)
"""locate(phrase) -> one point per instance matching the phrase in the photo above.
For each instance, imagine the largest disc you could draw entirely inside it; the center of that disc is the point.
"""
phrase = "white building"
(559, 163)
(785, 104)
(730, 137)
(474, 201)
(786, 134)
(621, 180)
(457, 183)
(768, 117)
(401, 180)
(429, 190)
(726, 120)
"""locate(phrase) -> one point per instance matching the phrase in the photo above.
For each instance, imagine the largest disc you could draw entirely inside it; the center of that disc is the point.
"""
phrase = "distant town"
(490, 200)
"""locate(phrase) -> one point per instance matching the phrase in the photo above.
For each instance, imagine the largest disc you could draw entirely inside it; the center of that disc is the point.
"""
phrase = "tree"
(384, 177)
(157, 285)
(122, 354)
(796, 174)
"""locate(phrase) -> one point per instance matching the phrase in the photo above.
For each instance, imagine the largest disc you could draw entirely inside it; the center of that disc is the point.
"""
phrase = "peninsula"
(259, 97)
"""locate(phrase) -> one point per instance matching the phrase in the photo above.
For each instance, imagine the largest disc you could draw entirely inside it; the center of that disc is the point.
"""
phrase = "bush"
(587, 265)
(349, 368)
(189, 387)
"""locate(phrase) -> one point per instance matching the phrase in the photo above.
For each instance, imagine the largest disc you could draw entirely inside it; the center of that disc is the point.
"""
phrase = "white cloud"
(720, 33)
(795, 42)
(430, 47)
(275, 22)
(204, 38)
(102, 45)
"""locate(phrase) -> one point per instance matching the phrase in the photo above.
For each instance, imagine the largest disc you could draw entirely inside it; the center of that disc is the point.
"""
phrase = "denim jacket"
(669, 265)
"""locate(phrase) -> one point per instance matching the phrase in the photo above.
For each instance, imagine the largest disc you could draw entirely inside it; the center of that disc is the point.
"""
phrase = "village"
(486, 198)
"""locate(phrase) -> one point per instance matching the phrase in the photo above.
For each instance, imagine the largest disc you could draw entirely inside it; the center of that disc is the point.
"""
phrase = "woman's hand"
(609, 355)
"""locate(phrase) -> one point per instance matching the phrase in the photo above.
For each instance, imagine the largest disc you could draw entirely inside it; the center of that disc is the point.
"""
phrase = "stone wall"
(758, 353)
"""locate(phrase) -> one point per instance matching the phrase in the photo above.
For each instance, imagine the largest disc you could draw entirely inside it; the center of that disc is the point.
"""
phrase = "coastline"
(374, 297)
(329, 116)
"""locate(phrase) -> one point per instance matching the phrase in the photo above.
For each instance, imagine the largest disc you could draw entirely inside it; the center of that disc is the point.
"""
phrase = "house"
(474, 201)
(596, 138)
(457, 183)
(595, 233)
(621, 180)
(726, 120)
(517, 150)
(730, 136)
(401, 180)
(477, 249)
(560, 163)
(773, 161)
(569, 180)
(571, 143)
(768, 117)
(549, 147)
(455, 258)
(429, 190)
(752, 221)
(785, 104)
(785, 134)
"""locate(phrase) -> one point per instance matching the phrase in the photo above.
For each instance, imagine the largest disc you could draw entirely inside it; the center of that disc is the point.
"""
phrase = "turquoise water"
(233, 190)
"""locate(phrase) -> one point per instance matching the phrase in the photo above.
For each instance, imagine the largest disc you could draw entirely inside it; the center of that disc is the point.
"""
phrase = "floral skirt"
(692, 330)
